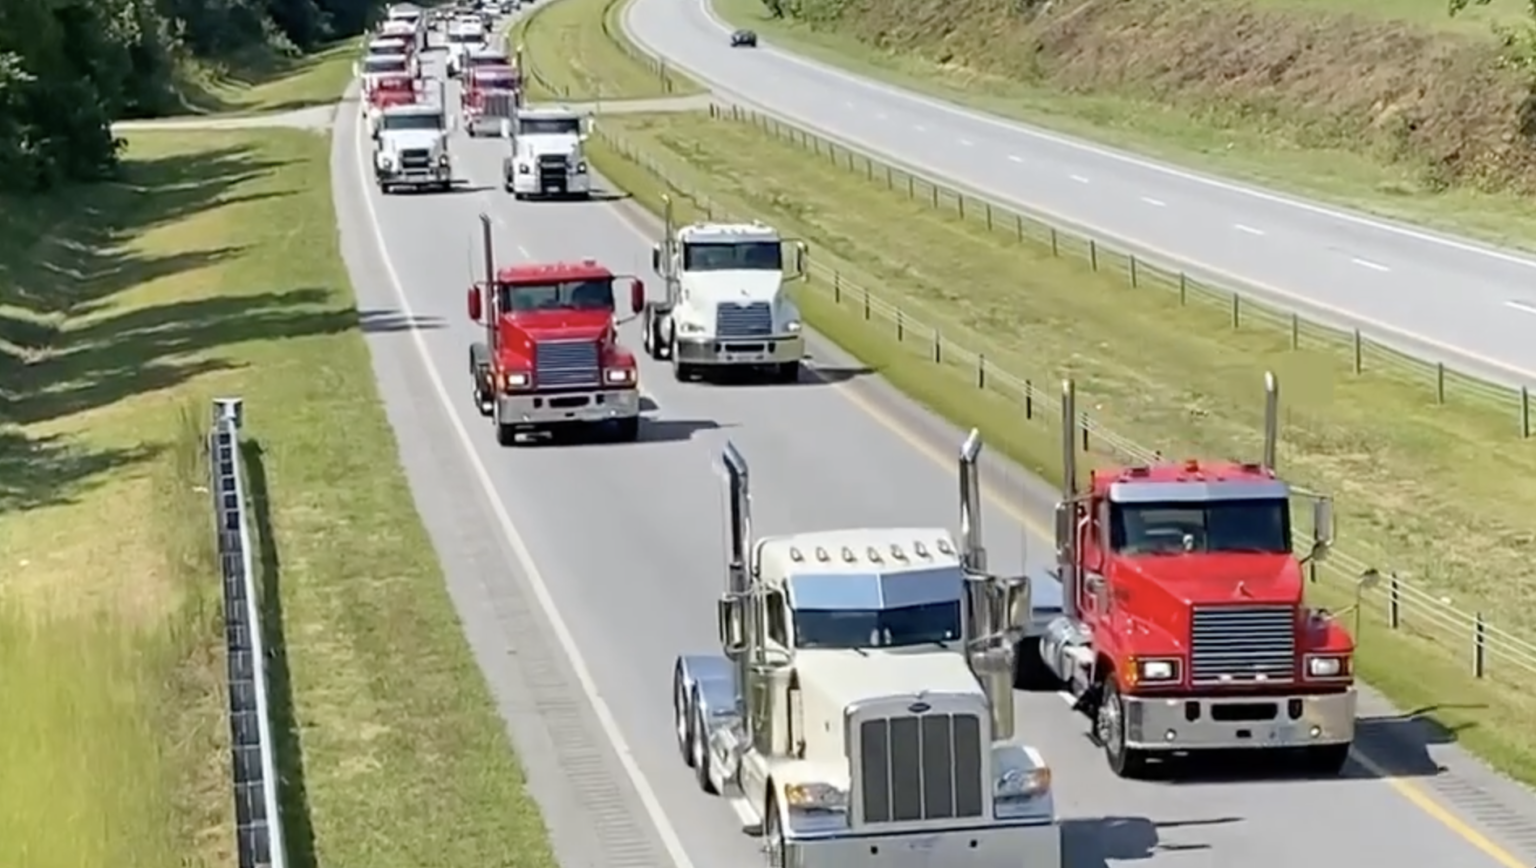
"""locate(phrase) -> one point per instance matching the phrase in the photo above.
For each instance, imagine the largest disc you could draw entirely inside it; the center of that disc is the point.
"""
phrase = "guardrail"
(258, 816)
(1401, 603)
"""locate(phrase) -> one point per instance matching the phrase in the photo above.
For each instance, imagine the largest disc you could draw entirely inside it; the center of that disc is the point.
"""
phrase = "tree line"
(68, 68)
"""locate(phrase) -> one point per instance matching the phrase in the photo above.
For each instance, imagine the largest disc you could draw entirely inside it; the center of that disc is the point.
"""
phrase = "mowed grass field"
(262, 81)
(212, 270)
(1207, 129)
(1412, 496)
(577, 51)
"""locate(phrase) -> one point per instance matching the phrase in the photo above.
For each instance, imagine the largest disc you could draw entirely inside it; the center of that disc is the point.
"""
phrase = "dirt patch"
(1436, 101)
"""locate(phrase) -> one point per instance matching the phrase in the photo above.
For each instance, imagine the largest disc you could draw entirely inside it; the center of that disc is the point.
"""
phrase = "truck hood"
(843, 677)
(734, 287)
(561, 325)
(548, 144)
(1213, 579)
(399, 140)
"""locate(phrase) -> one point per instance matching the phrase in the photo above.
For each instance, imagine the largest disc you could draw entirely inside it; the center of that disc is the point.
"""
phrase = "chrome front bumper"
(987, 846)
(576, 183)
(774, 350)
(1186, 723)
(429, 175)
(599, 405)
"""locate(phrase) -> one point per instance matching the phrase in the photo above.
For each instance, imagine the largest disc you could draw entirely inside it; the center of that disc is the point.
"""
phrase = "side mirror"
(1018, 610)
(733, 639)
(656, 258)
(356, 70)
(474, 303)
(1322, 526)
(800, 253)
(453, 124)
(636, 296)
(506, 128)
(1065, 525)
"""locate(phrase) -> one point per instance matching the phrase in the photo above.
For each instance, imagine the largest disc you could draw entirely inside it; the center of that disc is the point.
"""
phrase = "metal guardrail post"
(258, 819)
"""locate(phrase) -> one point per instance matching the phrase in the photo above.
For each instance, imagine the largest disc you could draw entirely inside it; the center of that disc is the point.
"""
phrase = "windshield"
(750, 255)
(473, 37)
(395, 84)
(878, 628)
(549, 126)
(479, 60)
(388, 49)
(394, 123)
(594, 294)
(495, 82)
(376, 65)
(1262, 526)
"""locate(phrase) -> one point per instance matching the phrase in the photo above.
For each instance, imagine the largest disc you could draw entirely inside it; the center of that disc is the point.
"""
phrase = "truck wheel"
(681, 371)
(787, 372)
(682, 718)
(1326, 759)
(1125, 762)
(701, 765)
(627, 430)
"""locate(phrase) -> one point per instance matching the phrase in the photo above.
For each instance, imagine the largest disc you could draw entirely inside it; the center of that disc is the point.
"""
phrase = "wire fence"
(1397, 602)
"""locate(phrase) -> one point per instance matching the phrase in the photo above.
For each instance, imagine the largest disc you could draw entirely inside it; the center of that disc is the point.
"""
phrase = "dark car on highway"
(744, 39)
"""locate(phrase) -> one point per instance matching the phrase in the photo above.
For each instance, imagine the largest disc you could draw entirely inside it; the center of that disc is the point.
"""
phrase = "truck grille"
(565, 364)
(921, 767)
(753, 320)
(415, 158)
(552, 171)
(1242, 644)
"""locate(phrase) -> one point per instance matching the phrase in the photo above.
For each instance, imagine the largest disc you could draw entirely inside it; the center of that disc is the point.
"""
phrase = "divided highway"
(1439, 297)
(581, 570)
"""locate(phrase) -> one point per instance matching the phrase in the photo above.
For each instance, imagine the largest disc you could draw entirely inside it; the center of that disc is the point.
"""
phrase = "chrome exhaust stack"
(490, 297)
(996, 609)
(738, 637)
(1066, 510)
(1271, 420)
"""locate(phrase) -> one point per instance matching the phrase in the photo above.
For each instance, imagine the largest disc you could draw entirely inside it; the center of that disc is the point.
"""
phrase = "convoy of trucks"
(726, 305)
(860, 707)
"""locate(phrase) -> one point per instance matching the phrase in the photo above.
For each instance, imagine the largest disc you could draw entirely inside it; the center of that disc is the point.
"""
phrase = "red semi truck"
(551, 357)
(1184, 626)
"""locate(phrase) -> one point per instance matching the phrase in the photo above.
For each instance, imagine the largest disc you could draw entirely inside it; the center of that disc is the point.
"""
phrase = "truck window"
(1258, 526)
(593, 294)
(733, 256)
(393, 123)
(878, 628)
(549, 126)
(778, 624)
(380, 64)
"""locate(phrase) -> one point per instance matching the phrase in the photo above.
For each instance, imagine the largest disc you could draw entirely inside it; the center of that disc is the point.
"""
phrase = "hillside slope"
(1432, 100)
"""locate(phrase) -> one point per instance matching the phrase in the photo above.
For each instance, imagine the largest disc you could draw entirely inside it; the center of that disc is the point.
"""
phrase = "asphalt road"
(1435, 296)
(581, 570)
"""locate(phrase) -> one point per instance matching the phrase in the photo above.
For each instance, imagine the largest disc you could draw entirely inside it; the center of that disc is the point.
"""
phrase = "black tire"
(627, 430)
(682, 718)
(701, 765)
(787, 373)
(1326, 759)
(773, 832)
(1125, 762)
(1029, 669)
(681, 371)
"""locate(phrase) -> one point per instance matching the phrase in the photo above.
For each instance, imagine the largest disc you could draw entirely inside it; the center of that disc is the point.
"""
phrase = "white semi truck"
(726, 305)
(861, 713)
(548, 157)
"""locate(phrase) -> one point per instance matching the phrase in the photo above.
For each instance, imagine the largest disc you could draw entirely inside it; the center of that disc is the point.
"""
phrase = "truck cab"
(551, 357)
(375, 67)
(491, 96)
(727, 305)
(547, 158)
(465, 35)
(862, 706)
(411, 147)
(389, 91)
(1186, 626)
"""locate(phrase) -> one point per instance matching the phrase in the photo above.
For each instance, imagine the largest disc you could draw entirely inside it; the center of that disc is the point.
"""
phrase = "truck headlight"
(1157, 670)
(792, 327)
(1018, 784)
(815, 797)
(581, 168)
(522, 168)
(1327, 667)
(514, 381)
(620, 376)
(387, 160)
(690, 328)
(442, 160)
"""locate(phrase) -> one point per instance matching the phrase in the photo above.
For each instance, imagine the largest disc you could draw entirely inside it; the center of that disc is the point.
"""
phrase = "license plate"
(744, 357)
(924, 844)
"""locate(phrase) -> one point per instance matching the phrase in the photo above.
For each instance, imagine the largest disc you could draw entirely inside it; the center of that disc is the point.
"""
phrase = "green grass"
(576, 51)
(213, 270)
(1411, 497)
(262, 81)
(1283, 155)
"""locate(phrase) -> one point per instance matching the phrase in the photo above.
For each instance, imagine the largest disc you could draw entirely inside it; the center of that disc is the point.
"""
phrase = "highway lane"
(629, 540)
(1426, 293)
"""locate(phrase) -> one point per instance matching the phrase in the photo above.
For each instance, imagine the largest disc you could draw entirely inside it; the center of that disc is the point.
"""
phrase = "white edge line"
(1521, 306)
(1151, 201)
(1241, 227)
(1366, 263)
(568, 644)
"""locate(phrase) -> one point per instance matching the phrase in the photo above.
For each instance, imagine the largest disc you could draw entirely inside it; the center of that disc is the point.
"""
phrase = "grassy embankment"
(1411, 497)
(263, 81)
(213, 270)
(1388, 106)
(577, 51)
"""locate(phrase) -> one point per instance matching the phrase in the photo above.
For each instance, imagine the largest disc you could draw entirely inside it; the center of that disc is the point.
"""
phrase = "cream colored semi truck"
(861, 713)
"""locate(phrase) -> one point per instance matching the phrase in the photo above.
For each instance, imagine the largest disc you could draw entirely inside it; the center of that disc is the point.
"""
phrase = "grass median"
(262, 81)
(1412, 495)
(212, 269)
(576, 50)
